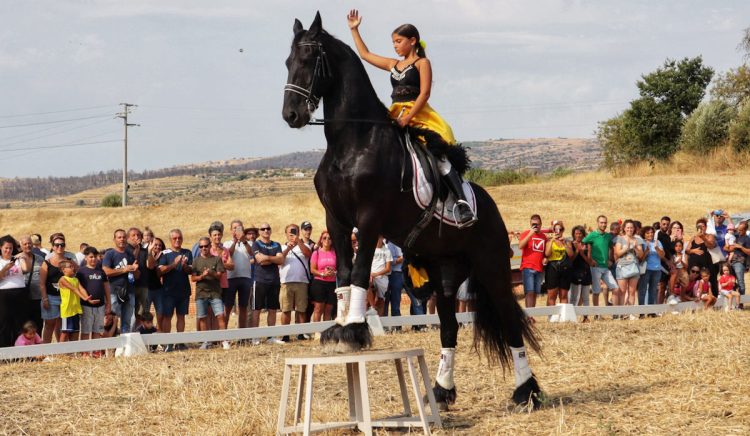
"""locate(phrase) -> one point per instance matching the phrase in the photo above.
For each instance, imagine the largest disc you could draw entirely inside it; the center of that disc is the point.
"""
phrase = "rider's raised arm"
(381, 62)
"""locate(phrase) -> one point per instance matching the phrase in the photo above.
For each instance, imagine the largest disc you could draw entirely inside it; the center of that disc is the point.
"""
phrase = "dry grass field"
(683, 374)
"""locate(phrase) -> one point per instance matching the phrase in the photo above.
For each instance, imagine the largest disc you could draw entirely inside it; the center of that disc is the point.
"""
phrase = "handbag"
(628, 270)
(642, 267)
(716, 254)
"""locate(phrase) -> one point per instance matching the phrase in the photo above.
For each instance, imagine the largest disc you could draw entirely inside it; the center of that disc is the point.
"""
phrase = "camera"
(294, 231)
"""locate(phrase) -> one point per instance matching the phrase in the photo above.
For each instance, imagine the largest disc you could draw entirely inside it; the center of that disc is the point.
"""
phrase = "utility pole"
(124, 115)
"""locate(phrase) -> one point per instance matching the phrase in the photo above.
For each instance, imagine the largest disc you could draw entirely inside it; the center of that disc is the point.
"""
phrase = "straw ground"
(679, 374)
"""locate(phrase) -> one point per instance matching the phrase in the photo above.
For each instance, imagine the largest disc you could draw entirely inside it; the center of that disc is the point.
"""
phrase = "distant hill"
(538, 155)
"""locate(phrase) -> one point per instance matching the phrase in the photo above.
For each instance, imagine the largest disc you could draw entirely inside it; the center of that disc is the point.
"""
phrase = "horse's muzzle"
(296, 119)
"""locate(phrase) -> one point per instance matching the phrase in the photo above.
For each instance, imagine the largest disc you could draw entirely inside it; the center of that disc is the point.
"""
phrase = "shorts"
(532, 281)
(598, 275)
(726, 293)
(54, 307)
(92, 320)
(141, 301)
(171, 304)
(154, 297)
(201, 307)
(293, 296)
(240, 288)
(71, 324)
(555, 277)
(266, 296)
(380, 284)
(323, 292)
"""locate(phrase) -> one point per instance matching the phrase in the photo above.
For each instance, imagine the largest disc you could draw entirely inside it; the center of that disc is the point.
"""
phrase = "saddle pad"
(423, 191)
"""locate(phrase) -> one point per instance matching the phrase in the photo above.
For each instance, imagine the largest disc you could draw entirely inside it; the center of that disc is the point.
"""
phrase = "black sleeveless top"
(53, 276)
(405, 83)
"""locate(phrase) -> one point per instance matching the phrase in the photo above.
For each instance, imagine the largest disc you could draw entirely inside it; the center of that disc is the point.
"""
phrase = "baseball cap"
(305, 225)
(718, 212)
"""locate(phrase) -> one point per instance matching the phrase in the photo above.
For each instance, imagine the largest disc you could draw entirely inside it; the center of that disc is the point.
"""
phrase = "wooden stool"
(359, 402)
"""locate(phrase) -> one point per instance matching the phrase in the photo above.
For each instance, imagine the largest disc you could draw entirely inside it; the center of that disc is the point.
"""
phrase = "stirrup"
(467, 223)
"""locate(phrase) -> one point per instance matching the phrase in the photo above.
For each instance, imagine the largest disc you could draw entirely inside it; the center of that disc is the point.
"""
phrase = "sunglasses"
(263, 229)
(325, 238)
(61, 245)
(204, 246)
(695, 271)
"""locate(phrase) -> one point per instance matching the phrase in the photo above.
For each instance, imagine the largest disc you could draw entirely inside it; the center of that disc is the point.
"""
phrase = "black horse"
(359, 183)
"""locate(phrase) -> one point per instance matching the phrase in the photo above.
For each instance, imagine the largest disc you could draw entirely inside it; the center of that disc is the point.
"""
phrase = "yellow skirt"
(426, 118)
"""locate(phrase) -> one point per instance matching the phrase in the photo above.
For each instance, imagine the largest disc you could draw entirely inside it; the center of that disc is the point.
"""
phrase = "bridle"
(322, 71)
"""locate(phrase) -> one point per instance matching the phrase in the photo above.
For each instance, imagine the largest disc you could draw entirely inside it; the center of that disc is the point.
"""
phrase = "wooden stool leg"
(308, 401)
(284, 399)
(366, 427)
(430, 394)
(402, 385)
(418, 395)
(352, 394)
(300, 391)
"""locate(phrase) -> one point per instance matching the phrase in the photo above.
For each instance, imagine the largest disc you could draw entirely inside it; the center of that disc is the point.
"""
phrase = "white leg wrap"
(357, 305)
(444, 166)
(444, 375)
(520, 365)
(342, 304)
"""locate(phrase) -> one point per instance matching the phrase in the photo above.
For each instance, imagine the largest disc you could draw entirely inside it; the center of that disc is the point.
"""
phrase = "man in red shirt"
(532, 243)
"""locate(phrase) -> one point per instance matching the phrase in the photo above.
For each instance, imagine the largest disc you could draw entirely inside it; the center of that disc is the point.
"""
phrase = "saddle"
(425, 181)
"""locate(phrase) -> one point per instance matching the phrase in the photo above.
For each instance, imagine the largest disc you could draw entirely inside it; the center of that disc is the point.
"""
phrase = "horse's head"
(309, 73)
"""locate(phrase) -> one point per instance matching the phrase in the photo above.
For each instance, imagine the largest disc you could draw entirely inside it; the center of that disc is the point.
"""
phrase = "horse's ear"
(297, 26)
(316, 25)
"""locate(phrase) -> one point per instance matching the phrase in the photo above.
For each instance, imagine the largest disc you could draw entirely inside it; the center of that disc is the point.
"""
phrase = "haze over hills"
(539, 155)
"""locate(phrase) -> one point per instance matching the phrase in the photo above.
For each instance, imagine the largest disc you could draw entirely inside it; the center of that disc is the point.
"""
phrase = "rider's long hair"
(410, 31)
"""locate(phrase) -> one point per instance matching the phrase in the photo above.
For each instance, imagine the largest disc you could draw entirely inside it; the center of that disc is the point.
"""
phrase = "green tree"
(112, 200)
(739, 129)
(707, 127)
(733, 86)
(618, 144)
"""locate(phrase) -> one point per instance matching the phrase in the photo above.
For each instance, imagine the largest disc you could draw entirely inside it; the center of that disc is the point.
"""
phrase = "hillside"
(537, 154)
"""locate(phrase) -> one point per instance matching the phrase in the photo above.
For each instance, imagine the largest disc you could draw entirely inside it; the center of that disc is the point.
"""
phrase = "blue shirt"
(115, 260)
(653, 262)
(267, 273)
(721, 231)
(395, 254)
(177, 281)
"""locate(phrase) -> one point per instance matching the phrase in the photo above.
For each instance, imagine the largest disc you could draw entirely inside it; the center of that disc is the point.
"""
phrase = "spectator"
(323, 286)
(121, 269)
(294, 275)
(688, 293)
(663, 236)
(80, 257)
(697, 250)
(580, 270)
(28, 335)
(615, 228)
(67, 254)
(49, 276)
(140, 283)
(720, 225)
(36, 241)
(702, 290)
(14, 298)
(627, 253)
(465, 298)
(268, 257)
(240, 278)
(532, 243)
(207, 270)
(94, 280)
(32, 281)
(678, 279)
(175, 268)
(71, 295)
(599, 253)
(306, 228)
(559, 253)
(147, 326)
(654, 254)
(676, 232)
(153, 280)
(216, 233)
(740, 251)
(396, 282)
(379, 270)
(148, 236)
(727, 283)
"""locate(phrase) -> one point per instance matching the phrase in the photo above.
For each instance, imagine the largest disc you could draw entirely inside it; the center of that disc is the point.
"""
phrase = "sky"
(207, 76)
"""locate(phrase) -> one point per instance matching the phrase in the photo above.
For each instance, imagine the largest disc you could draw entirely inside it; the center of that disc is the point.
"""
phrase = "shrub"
(707, 127)
(112, 200)
(80, 202)
(485, 177)
(739, 129)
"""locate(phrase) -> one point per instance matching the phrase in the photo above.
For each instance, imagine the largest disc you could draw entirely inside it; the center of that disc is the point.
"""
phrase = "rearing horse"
(359, 184)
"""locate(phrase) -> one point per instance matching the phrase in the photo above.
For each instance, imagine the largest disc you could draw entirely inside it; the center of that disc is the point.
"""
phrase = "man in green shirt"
(600, 247)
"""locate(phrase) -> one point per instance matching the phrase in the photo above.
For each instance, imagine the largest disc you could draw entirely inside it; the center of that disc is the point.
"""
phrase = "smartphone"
(294, 231)
(238, 232)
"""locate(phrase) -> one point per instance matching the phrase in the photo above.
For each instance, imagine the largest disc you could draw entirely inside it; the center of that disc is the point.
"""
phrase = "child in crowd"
(679, 279)
(727, 283)
(91, 276)
(28, 335)
(147, 327)
(71, 294)
(702, 289)
(729, 240)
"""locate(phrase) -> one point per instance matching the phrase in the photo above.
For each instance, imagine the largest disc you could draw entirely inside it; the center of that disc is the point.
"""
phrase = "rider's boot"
(465, 216)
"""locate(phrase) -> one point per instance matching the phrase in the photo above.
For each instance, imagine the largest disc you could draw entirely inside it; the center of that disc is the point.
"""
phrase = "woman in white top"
(14, 297)
(628, 253)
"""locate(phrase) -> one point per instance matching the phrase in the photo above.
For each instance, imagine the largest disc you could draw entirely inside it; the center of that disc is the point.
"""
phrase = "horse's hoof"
(444, 397)
(330, 338)
(354, 337)
(529, 396)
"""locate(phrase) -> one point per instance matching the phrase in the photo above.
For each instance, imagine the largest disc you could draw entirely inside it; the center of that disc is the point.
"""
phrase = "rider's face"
(402, 44)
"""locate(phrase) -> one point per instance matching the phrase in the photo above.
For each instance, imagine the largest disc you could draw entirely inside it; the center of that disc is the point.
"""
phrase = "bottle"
(131, 278)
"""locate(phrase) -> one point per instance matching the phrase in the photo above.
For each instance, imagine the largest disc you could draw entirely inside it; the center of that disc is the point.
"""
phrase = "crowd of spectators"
(632, 264)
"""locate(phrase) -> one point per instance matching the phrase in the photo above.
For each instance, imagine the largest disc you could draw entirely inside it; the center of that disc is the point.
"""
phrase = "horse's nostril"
(292, 116)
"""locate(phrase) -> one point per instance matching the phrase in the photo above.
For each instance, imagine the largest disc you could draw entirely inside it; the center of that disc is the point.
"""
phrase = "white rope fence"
(134, 343)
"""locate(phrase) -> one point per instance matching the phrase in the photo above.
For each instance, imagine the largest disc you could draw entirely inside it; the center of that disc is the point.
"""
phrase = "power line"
(55, 112)
(49, 134)
(44, 147)
(54, 122)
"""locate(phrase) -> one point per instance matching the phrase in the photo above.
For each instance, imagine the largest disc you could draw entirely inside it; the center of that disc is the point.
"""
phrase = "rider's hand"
(402, 121)
(353, 19)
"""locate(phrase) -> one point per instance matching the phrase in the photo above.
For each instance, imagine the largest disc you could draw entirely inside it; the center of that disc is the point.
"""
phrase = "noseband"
(322, 71)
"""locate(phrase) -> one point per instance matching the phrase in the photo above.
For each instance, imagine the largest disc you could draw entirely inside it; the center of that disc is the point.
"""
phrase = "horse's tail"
(500, 322)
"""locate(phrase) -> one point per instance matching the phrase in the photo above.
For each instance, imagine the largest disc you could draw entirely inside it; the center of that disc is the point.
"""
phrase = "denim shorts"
(532, 281)
(54, 307)
(201, 306)
(602, 274)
